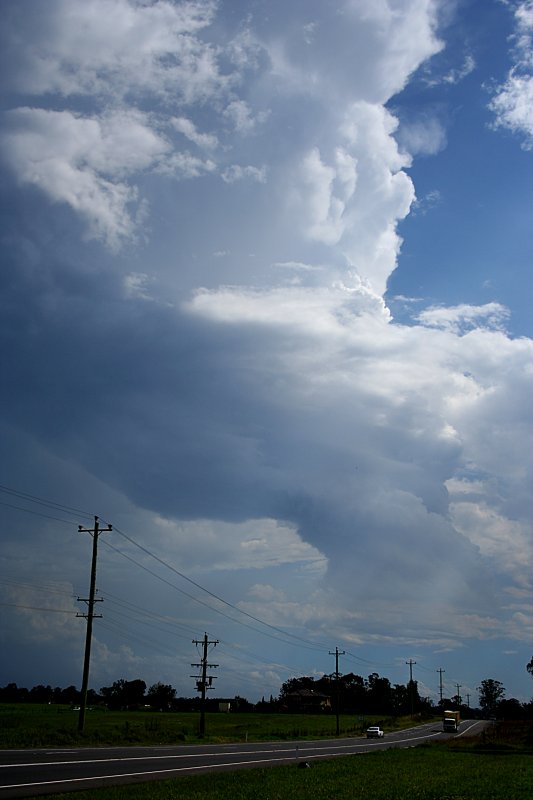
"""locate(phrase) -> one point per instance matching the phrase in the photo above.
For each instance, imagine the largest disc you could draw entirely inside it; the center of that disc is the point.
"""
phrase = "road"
(25, 773)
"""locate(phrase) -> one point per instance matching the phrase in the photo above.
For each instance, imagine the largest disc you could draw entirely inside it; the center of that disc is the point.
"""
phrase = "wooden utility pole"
(337, 653)
(411, 662)
(440, 671)
(204, 682)
(90, 615)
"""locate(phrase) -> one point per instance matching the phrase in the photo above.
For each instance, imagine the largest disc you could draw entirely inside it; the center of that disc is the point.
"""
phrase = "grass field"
(497, 766)
(33, 725)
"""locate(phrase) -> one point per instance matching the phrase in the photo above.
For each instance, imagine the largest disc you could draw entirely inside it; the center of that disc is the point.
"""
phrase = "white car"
(374, 732)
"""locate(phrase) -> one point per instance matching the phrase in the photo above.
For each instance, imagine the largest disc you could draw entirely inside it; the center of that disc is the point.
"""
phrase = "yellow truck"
(450, 721)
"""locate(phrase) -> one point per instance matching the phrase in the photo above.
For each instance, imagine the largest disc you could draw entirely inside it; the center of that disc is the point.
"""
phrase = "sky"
(265, 294)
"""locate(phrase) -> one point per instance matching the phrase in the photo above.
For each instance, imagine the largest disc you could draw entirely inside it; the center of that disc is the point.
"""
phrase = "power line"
(288, 637)
(137, 612)
(43, 501)
(286, 634)
(40, 608)
(283, 636)
(152, 616)
(48, 588)
(251, 658)
(369, 663)
(118, 629)
(38, 513)
(198, 600)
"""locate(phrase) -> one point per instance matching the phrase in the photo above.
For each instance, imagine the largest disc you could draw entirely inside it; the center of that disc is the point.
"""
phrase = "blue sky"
(265, 295)
(471, 237)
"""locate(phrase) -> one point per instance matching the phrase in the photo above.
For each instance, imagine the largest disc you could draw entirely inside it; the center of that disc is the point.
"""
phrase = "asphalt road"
(25, 773)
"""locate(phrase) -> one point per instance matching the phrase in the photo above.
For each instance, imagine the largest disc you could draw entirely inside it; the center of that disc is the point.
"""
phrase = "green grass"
(495, 766)
(422, 773)
(33, 725)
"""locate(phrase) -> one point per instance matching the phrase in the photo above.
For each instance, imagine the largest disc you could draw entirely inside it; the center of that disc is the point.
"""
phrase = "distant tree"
(327, 684)
(414, 697)
(262, 705)
(353, 693)
(456, 701)
(511, 709)
(266, 706)
(161, 695)
(379, 695)
(358, 695)
(124, 694)
(69, 695)
(93, 698)
(297, 684)
(241, 704)
(401, 699)
(447, 702)
(13, 694)
(491, 693)
(529, 667)
(41, 694)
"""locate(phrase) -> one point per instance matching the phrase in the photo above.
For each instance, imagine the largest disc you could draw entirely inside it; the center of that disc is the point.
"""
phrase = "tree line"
(357, 695)
(349, 694)
(121, 695)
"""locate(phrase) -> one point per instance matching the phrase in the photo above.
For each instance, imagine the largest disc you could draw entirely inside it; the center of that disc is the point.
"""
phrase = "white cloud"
(310, 310)
(512, 103)
(425, 204)
(83, 162)
(236, 172)
(114, 47)
(409, 30)
(454, 75)
(185, 126)
(513, 106)
(460, 319)
(443, 403)
(296, 265)
(136, 284)
(349, 190)
(263, 591)
(256, 544)
(425, 136)
(377, 46)
(382, 196)
(238, 112)
(184, 165)
(323, 210)
(508, 543)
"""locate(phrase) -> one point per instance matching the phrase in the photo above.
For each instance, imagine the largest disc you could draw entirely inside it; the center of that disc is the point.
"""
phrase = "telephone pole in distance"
(90, 615)
(440, 671)
(203, 682)
(411, 687)
(337, 653)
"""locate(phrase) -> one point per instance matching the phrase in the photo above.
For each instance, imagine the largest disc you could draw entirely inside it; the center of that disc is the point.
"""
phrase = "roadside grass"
(431, 772)
(33, 725)
(505, 737)
(497, 765)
